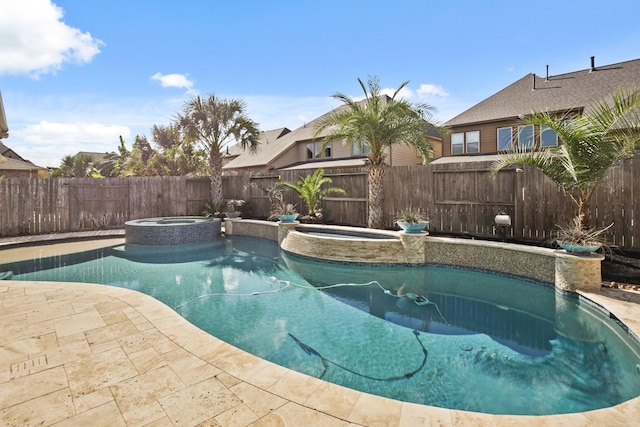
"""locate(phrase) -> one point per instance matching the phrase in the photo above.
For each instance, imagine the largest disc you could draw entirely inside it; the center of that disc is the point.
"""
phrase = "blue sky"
(77, 74)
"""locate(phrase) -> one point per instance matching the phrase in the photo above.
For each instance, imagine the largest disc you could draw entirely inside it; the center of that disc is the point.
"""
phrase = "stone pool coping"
(77, 353)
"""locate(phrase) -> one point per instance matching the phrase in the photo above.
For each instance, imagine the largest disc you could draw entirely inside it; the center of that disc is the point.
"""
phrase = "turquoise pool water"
(457, 338)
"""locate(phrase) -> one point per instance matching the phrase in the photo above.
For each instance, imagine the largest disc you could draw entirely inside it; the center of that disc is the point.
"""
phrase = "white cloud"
(174, 80)
(36, 41)
(273, 112)
(424, 91)
(80, 132)
(427, 90)
(405, 92)
(45, 143)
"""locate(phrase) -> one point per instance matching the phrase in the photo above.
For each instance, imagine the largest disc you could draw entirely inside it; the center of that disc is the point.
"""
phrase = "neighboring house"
(297, 149)
(11, 164)
(494, 124)
(97, 158)
(266, 137)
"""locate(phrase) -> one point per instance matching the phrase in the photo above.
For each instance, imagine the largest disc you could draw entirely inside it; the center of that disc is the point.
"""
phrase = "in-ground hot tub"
(175, 230)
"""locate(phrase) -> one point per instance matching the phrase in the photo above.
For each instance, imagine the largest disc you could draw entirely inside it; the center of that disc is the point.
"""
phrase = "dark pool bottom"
(445, 337)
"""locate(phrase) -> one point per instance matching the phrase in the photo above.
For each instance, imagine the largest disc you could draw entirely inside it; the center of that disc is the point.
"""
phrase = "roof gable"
(575, 90)
(270, 150)
(10, 164)
(265, 138)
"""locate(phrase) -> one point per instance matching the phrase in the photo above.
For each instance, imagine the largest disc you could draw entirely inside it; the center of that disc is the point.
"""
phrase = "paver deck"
(74, 354)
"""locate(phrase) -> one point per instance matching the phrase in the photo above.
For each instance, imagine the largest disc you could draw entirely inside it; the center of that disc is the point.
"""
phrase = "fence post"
(518, 203)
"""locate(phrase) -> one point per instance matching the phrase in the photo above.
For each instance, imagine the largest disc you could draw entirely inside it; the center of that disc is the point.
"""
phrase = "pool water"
(432, 335)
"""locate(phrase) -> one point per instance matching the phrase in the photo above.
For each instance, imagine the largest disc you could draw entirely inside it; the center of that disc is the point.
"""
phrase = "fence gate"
(94, 206)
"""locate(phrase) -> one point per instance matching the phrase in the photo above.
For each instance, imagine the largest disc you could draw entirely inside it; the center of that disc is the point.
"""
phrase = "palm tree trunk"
(375, 174)
(215, 176)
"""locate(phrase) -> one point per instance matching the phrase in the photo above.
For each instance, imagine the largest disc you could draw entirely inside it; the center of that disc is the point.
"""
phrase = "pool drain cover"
(466, 347)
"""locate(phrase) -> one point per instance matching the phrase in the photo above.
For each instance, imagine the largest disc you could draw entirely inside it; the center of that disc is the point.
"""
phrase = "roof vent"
(546, 79)
(593, 64)
(533, 81)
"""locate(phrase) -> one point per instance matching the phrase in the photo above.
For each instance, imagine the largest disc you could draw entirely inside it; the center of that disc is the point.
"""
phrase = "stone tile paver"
(199, 402)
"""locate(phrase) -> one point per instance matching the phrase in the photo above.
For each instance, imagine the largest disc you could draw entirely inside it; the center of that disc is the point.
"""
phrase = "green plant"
(272, 191)
(210, 209)
(235, 205)
(311, 191)
(283, 208)
(213, 123)
(411, 215)
(378, 123)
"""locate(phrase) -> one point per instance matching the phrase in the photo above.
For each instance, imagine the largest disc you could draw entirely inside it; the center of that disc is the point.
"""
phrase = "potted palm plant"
(578, 239)
(411, 219)
(312, 191)
(285, 212)
(233, 208)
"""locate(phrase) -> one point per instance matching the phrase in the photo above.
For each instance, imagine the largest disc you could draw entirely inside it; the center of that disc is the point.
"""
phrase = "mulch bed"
(621, 270)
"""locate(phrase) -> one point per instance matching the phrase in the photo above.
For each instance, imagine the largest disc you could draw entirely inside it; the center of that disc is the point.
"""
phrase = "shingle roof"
(271, 150)
(17, 165)
(575, 90)
(265, 138)
(336, 163)
(95, 156)
(8, 153)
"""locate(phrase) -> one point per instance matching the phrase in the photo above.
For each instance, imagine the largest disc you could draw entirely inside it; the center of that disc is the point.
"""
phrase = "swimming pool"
(488, 343)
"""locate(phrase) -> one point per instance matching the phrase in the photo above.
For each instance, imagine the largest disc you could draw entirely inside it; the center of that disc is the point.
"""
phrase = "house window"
(505, 141)
(525, 136)
(314, 150)
(548, 137)
(360, 149)
(465, 142)
(473, 141)
(457, 143)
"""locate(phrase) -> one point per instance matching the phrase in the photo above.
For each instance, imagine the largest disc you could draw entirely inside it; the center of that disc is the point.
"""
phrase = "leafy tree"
(173, 155)
(166, 137)
(115, 164)
(591, 145)
(311, 191)
(214, 123)
(379, 122)
(79, 166)
(138, 159)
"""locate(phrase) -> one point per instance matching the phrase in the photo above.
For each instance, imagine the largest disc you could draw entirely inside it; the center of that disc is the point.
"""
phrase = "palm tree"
(215, 123)
(311, 191)
(378, 123)
(79, 166)
(591, 145)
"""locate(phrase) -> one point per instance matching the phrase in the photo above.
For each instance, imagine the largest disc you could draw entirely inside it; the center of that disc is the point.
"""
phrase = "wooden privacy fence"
(37, 206)
(457, 197)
